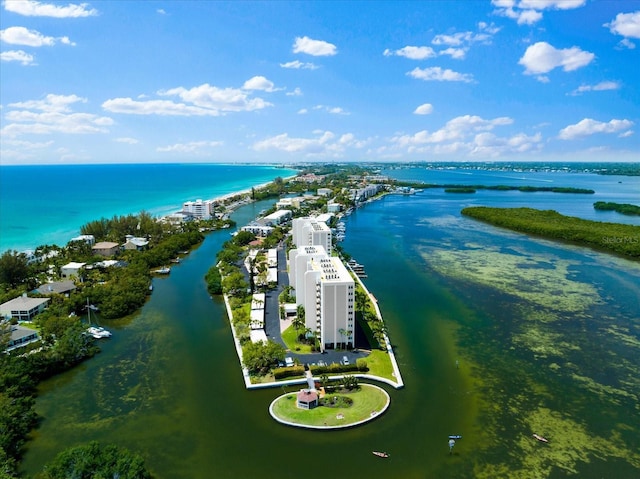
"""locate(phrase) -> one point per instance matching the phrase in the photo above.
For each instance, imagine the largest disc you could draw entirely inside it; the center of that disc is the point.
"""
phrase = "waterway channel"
(497, 335)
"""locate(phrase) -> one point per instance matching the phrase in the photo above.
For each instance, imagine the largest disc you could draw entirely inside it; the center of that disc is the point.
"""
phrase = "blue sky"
(215, 81)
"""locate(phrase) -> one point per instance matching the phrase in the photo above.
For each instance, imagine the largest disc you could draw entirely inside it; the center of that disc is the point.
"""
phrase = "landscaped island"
(337, 408)
(615, 238)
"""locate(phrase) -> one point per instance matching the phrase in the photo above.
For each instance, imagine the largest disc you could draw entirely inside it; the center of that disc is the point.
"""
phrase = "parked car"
(288, 361)
(345, 360)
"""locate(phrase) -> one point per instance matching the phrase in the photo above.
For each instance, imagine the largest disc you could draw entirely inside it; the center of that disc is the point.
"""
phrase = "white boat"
(164, 270)
(97, 332)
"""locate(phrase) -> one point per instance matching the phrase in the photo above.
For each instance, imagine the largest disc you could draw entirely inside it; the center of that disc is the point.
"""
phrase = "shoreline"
(76, 230)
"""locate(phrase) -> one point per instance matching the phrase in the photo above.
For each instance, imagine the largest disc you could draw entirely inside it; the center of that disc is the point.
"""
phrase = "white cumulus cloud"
(626, 25)
(588, 126)
(17, 56)
(155, 107)
(411, 52)
(439, 74)
(298, 65)
(424, 109)
(542, 57)
(31, 38)
(325, 143)
(202, 100)
(528, 12)
(53, 114)
(218, 99)
(30, 8)
(259, 83)
(316, 48)
(602, 86)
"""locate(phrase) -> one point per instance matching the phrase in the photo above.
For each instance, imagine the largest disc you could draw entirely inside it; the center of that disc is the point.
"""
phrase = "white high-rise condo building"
(309, 231)
(329, 302)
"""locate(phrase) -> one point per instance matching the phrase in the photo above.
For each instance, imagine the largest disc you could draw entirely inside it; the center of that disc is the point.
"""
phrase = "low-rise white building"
(89, 239)
(258, 229)
(23, 308)
(277, 218)
(71, 270)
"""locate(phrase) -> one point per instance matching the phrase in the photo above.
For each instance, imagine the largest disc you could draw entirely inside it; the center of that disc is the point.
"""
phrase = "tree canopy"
(96, 461)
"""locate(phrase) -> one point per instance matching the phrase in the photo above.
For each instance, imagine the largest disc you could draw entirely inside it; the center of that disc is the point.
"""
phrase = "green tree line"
(622, 208)
(615, 238)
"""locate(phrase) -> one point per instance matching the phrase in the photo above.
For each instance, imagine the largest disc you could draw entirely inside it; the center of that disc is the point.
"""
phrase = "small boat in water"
(163, 270)
(540, 438)
(381, 454)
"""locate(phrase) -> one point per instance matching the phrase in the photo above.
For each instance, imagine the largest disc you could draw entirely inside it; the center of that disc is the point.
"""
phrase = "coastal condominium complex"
(329, 301)
(311, 231)
(203, 210)
(322, 285)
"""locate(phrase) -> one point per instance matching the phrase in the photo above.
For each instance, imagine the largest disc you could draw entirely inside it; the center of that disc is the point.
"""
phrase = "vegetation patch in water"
(524, 277)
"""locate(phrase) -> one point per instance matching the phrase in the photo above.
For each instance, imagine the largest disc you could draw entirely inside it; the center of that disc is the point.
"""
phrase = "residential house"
(71, 270)
(23, 308)
(105, 248)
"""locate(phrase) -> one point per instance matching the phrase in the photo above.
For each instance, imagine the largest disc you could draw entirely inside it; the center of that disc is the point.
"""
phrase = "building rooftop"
(59, 287)
(23, 303)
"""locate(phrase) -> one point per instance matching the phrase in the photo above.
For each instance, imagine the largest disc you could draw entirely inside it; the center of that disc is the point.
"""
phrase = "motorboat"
(381, 454)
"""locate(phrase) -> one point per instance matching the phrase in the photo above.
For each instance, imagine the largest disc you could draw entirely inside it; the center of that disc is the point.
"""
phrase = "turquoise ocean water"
(48, 204)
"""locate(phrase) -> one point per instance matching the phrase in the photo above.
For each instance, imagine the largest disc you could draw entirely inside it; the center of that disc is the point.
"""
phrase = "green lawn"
(379, 364)
(289, 336)
(368, 402)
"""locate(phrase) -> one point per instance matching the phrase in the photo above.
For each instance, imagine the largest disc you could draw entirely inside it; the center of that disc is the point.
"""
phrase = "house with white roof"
(133, 243)
(71, 270)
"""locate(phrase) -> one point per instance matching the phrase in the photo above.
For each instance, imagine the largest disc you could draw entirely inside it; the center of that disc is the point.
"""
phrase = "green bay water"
(547, 339)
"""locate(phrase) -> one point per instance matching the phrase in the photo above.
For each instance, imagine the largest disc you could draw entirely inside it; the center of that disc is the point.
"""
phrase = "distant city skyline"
(330, 81)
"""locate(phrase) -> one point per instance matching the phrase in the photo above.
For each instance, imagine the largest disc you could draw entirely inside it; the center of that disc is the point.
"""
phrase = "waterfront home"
(57, 287)
(21, 336)
(333, 207)
(23, 308)
(105, 248)
(324, 191)
(133, 243)
(89, 239)
(71, 270)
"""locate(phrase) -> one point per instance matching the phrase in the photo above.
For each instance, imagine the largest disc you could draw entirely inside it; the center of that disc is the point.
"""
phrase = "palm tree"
(298, 324)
